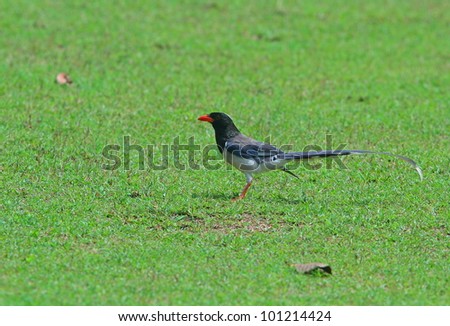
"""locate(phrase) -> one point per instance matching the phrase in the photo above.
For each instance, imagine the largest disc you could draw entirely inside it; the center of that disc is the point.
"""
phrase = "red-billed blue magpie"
(251, 157)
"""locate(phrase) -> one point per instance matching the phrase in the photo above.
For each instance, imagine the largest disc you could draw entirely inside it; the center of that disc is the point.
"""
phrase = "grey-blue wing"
(249, 148)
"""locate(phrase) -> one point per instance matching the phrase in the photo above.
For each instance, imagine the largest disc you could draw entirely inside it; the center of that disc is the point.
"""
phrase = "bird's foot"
(237, 198)
(244, 192)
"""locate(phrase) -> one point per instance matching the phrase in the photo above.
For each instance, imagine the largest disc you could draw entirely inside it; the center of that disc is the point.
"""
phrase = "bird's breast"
(248, 165)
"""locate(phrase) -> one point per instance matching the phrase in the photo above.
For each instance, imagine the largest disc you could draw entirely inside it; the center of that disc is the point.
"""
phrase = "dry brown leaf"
(63, 78)
(312, 268)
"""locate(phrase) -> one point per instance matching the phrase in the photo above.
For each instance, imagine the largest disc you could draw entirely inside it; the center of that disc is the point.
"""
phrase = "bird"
(253, 157)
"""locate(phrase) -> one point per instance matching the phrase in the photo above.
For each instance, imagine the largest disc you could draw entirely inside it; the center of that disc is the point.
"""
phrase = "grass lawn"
(374, 75)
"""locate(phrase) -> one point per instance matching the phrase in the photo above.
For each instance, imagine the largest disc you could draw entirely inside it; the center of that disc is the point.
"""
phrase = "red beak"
(206, 118)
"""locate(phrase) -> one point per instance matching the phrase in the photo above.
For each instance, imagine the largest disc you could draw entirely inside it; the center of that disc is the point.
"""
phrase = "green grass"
(374, 75)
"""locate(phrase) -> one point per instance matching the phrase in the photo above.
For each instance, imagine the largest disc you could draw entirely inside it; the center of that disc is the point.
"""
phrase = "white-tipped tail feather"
(331, 153)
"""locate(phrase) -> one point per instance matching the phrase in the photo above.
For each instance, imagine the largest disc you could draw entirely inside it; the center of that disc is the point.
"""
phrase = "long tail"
(331, 153)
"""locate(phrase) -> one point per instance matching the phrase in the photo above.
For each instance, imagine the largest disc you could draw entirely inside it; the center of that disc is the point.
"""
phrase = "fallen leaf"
(311, 268)
(63, 78)
(134, 194)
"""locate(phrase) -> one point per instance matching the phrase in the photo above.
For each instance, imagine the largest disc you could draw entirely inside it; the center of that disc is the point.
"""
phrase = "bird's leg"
(244, 191)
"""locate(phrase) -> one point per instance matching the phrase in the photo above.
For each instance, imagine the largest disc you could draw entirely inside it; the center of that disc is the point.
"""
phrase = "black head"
(223, 126)
(219, 120)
